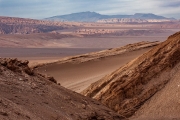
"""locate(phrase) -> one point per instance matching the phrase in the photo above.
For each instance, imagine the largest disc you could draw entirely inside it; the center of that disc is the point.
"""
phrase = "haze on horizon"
(39, 9)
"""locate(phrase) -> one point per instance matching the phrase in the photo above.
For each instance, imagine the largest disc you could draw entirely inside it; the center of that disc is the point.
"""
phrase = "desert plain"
(44, 48)
(88, 59)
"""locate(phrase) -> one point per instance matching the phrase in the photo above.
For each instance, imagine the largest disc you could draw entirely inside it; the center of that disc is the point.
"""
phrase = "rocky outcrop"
(11, 25)
(26, 95)
(111, 32)
(128, 88)
(133, 20)
(16, 65)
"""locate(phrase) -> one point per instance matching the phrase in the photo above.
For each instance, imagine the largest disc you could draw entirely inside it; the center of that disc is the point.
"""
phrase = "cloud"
(47, 8)
(171, 4)
(166, 7)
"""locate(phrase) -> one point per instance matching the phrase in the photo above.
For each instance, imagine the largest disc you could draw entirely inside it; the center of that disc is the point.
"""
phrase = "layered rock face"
(26, 95)
(133, 20)
(11, 25)
(128, 88)
(109, 32)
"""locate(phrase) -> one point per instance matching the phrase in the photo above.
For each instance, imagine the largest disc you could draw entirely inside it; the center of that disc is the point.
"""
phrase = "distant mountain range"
(94, 17)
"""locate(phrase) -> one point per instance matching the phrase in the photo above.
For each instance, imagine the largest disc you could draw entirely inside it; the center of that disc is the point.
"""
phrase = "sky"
(39, 9)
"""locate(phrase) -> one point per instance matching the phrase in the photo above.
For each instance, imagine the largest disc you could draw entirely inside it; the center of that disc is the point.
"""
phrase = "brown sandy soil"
(40, 60)
(34, 40)
(149, 82)
(51, 40)
(46, 34)
(77, 73)
(134, 25)
(77, 77)
(165, 104)
(25, 95)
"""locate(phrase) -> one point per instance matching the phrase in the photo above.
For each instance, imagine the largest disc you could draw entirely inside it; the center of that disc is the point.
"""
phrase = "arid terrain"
(78, 72)
(29, 33)
(46, 41)
(149, 82)
(25, 95)
(104, 70)
(43, 55)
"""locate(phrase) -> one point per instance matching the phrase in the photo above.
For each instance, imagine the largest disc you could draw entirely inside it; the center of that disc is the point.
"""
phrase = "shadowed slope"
(25, 95)
(126, 89)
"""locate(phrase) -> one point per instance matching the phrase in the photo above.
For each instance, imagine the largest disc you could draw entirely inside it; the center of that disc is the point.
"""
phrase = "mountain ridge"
(93, 17)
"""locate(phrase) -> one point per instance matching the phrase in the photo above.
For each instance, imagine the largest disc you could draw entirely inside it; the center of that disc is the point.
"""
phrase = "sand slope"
(25, 95)
(128, 88)
(165, 104)
(77, 73)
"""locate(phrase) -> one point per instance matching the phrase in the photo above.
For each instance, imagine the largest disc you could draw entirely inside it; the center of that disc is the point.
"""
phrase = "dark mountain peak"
(89, 16)
(148, 16)
(79, 17)
(139, 14)
(87, 13)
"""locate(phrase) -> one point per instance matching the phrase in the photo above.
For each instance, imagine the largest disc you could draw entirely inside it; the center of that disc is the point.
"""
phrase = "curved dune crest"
(106, 53)
(78, 72)
(129, 87)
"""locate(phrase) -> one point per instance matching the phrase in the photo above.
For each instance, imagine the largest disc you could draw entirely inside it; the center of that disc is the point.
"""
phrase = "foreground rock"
(25, 95)
(141, 81)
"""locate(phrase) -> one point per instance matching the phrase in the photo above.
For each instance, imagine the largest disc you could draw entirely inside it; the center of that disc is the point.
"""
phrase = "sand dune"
(79, 76)
(77, 73)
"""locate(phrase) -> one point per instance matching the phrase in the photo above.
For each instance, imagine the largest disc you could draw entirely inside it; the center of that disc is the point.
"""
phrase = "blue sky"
(39, 9)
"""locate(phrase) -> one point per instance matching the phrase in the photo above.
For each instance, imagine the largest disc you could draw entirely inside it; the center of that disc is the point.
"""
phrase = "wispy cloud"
(47, 8)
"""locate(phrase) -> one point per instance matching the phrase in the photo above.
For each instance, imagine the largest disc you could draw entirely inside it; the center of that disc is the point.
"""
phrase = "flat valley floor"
(46, 48)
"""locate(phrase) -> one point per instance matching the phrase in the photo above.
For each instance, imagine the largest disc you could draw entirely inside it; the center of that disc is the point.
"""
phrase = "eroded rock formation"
(128, 88)
(11, 25)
